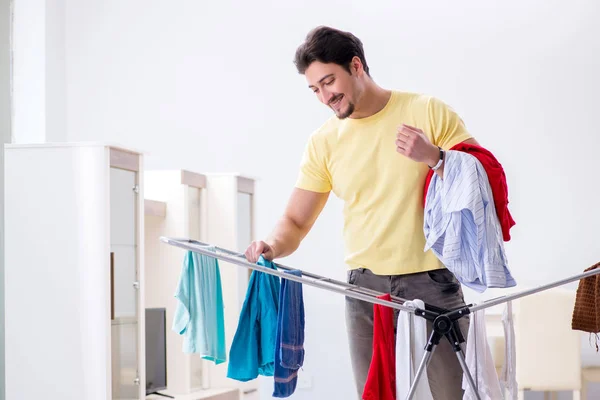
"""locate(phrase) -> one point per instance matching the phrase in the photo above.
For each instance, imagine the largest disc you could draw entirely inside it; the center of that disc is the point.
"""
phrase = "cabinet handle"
(112, 285)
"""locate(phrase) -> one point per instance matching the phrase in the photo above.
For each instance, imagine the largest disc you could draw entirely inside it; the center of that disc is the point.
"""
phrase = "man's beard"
(347, 113)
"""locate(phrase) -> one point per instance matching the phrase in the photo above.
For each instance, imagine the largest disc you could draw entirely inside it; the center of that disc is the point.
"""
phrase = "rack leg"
(465, 368)
(422, 366)
(444, 325)
(425, 361)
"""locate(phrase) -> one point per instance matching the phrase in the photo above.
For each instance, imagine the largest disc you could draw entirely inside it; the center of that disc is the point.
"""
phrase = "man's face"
(334, 86)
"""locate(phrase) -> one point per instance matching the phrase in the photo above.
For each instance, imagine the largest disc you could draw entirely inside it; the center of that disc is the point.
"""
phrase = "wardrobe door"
(194, 208)
(194, 201)
(244, 220)
(244, 238)
(124, 284)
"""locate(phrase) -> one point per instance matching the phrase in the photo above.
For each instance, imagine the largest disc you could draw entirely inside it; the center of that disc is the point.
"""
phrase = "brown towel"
(586, 314)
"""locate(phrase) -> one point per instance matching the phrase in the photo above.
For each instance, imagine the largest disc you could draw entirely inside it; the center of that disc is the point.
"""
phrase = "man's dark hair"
(329, 45)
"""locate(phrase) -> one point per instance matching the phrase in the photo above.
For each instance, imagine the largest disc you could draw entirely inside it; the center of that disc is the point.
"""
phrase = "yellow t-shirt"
(382, 190)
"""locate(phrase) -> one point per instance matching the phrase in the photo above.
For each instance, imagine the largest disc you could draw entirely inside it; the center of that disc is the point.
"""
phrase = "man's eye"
(330, 82)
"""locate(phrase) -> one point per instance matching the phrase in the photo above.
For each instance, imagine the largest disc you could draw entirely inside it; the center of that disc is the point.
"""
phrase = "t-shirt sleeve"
(446, 126)
(313, 174)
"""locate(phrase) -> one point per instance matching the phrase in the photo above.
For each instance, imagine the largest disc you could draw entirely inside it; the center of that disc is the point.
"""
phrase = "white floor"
(255, 395)
(209, 394)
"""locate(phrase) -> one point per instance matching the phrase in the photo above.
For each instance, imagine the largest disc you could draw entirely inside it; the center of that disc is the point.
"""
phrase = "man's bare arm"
(300, 214)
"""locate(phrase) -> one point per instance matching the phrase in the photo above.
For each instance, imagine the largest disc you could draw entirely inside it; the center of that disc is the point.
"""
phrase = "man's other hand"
(256, 248)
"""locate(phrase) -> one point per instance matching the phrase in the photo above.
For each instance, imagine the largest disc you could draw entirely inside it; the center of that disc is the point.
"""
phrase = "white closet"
(175, 206)
(230, 224)
(74, 272)
(212, 208)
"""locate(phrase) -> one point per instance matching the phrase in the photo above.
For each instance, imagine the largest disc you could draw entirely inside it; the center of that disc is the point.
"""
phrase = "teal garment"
(252, 351)
(199, 314)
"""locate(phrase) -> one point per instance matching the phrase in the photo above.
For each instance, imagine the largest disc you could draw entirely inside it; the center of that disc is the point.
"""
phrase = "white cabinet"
(181, 195)
(74, 272)
(230, 224)
(217, 209)
(124, 282)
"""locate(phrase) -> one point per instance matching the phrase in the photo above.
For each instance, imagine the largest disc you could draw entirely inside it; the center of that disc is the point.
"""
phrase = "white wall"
(29, 49)
(39, 102)
(5, 125)
(55, 74)
(210, 86)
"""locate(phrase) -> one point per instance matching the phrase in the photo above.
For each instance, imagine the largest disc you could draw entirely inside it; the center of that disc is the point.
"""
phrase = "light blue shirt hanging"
(461, 225)
(199, 313)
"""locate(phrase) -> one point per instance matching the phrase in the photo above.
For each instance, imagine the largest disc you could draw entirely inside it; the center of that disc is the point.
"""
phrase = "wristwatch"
(441, 160)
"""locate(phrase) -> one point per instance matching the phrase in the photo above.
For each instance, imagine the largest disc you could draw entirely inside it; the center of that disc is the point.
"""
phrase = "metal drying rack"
(445, 321)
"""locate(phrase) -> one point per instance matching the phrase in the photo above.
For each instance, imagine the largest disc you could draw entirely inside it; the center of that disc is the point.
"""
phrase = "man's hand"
(412, 143)
(256, 248)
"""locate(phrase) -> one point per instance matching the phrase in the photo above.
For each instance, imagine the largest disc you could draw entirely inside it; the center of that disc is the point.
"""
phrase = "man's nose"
(326, 96)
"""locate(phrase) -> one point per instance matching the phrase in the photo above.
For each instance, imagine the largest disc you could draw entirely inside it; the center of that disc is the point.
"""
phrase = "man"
(374, 154)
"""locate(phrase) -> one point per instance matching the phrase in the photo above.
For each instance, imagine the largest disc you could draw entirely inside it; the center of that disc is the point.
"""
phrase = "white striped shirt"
(461, 225)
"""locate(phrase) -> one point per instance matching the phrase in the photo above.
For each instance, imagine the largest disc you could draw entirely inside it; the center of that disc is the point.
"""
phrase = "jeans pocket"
(444, 279)
(353, 275)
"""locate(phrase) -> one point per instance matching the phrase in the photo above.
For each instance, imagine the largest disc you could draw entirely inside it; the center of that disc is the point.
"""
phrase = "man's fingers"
(253, 252)
(412, 143)
(258, 250)
(406, 136)
(402, 138)
(402, 147)
(404, 132)
(250, 255)
(266, 251)
(268, 254)
(409, 128)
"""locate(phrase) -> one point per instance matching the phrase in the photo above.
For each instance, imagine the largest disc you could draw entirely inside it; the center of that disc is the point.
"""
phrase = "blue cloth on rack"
(199, 313)
(289, 353)
(252, 351)
(461, 225)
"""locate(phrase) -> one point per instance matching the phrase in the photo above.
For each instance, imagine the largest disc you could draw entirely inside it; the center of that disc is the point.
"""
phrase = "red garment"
(381, 380)
(497, 180)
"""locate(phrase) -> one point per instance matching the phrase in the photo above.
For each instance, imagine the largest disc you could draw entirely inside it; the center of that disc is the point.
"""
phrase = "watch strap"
(440, 161)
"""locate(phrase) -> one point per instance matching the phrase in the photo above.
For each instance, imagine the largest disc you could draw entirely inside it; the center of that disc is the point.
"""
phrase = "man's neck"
(373, 100)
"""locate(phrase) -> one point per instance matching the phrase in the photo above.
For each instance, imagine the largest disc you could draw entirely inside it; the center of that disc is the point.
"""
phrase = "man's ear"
(356, 66)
